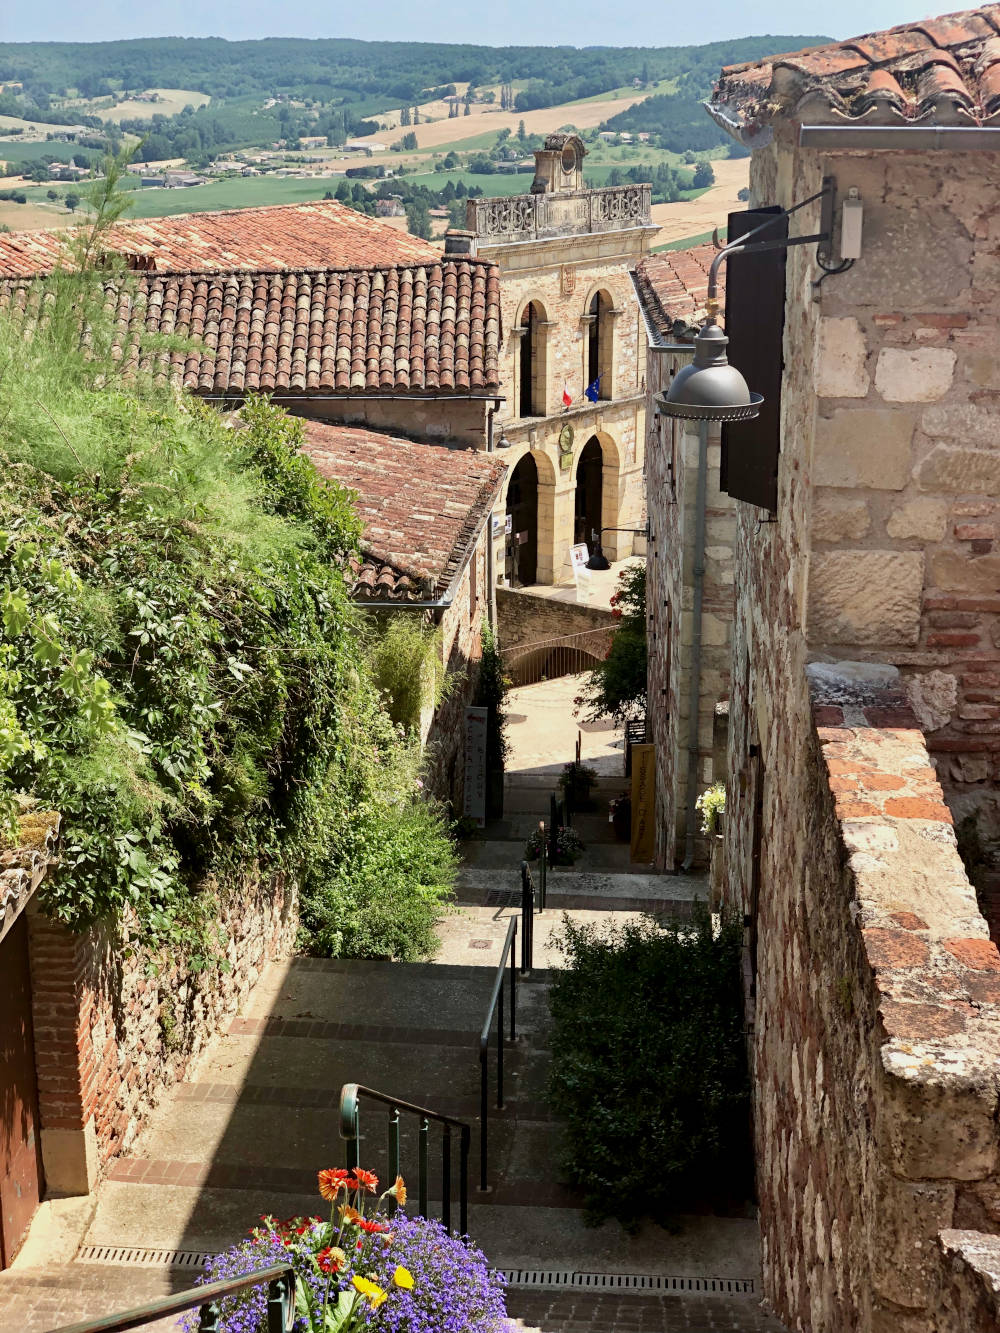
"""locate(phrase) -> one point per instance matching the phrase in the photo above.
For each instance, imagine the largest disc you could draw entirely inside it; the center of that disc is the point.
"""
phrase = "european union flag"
(593, 390)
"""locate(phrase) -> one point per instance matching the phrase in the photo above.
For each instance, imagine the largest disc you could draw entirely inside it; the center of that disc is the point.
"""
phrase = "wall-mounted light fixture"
(710, 389)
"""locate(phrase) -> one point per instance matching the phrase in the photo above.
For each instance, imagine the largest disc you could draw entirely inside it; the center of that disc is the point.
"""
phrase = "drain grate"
(558, 1279)
(138, 1257)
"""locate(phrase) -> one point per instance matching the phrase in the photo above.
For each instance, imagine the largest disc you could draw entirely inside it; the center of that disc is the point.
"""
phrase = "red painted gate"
(20, 1156)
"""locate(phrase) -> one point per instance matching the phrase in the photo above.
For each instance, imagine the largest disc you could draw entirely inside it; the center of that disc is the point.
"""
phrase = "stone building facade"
(689, 659)
(569, 319)
(864, 687)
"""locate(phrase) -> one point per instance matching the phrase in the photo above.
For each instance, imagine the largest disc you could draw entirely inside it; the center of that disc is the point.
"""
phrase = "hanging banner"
(476, 723)
(643, 804)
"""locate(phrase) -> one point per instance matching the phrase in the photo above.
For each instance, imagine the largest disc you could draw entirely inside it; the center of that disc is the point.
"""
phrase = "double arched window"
(600, 344)
(532, 388)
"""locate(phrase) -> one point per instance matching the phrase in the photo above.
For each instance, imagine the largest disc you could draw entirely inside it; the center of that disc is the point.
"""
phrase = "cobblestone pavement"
(565, 1312)
(36, 1300)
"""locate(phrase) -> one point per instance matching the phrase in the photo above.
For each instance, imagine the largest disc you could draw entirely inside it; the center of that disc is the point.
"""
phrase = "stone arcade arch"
(521, 543)
(589, 506)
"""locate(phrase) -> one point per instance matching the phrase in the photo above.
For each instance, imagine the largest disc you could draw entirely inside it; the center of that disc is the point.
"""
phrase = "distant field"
(33, 217)
(172, 103)
(583, 115)
(694, 217)
(252, 192)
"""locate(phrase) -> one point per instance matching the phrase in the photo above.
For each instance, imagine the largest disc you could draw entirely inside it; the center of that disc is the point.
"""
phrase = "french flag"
(567, 400)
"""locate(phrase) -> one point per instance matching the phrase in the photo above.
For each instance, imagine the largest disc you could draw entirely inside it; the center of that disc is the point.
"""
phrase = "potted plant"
(569, 845)
(386, 1270)
(578, 781)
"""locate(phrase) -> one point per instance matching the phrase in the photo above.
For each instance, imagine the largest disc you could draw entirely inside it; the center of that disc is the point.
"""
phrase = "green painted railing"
(280, 1279)
(350, 1130)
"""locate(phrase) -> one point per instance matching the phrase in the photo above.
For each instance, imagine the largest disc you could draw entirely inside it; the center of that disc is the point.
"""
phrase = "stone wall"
(672, 451)
(457, 421)
(906, 464)
(524, 618)
(876, 1009)
(115, 1026)
(969, 1287)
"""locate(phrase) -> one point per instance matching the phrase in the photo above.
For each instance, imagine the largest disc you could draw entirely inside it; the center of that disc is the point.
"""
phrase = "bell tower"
(559, 165)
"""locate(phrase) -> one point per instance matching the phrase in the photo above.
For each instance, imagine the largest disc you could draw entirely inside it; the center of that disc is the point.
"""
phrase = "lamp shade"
(710, 389)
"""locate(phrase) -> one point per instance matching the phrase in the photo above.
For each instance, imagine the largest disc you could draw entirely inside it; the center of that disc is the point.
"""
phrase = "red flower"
(372, 1227)
(327, 1262)
(332, 1182)
(364, 1180)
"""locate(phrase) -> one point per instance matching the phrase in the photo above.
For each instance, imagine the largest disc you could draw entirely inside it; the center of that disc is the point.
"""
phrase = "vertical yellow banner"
(643, 804)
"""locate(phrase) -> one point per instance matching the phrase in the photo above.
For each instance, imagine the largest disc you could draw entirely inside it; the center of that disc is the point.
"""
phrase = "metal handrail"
(350, 1119)
(280, 1304)
(496, 1006)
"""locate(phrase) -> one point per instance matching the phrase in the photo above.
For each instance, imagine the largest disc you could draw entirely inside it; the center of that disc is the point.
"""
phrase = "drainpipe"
(694, 703)
(491, 583)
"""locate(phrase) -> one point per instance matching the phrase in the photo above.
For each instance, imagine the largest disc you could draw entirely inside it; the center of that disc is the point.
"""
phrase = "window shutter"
(755, 320)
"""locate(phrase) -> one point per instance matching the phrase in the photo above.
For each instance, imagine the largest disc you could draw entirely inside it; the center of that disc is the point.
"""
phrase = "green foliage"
(617, 687)
(384, 863)
(405, 660)
(491, 692)
(710, 805)
(578, 781)
(651, 1078)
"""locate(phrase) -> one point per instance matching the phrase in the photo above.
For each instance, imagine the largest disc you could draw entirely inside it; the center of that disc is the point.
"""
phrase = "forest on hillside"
(336, 69)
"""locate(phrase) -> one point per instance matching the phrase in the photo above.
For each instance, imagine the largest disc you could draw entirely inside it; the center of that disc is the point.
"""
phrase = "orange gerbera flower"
(349, 1214)
(332, 1182)
(364, 1180)
(398, 1191)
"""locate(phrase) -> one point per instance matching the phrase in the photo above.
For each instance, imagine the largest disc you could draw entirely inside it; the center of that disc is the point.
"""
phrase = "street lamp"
(599, 560)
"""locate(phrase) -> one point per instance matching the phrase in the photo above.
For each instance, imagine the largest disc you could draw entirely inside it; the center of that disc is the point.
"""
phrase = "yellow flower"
(398, 1192)
(403, 1278)
(370, 1290)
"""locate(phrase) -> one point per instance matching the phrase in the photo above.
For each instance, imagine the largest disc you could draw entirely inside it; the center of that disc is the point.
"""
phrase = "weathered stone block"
(840, 359)
(920, 375)
(870, 447)
(934, 697)
(977, 573)
(961, 421)
(905, 1259)
(924, 518)
(837, 518)
(869, 598)
(958, 470)
(933, 1129)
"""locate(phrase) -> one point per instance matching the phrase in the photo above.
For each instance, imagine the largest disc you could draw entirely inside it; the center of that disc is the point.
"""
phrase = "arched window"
(521, 553)
(600, 344)
(531, 388)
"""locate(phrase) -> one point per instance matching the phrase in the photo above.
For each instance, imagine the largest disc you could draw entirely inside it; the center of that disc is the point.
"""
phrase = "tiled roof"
(672, 287)
(423, 506)
(287, 236)
(942, 71)
(418, 329)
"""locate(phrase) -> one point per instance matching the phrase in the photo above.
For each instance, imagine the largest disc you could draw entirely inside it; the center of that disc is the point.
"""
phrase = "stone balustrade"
(530, 217)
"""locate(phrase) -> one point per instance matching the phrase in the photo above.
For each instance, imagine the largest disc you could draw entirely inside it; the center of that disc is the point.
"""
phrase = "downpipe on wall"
(694, 704)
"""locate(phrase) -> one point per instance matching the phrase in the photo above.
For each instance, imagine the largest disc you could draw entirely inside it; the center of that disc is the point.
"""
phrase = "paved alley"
(247, 1131)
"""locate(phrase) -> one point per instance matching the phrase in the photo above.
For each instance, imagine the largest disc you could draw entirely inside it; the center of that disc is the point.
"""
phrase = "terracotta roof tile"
(673, 285)
(273, 239)
(423, 506)
(939, 71)
(388, 330)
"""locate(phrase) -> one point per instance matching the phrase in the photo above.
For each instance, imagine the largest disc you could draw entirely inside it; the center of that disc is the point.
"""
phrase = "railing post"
(513, 984)
(280, 1304)
(424, 1134)
(553, 828)
(208, 1317)
(500, 1027)
(393, 1142)
(463, 1184)
(542, 868)
(527, 914)
(484, 1114)
(446, 1177)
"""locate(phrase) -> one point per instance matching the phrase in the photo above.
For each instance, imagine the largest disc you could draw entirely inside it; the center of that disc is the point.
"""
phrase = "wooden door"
(20, 1155)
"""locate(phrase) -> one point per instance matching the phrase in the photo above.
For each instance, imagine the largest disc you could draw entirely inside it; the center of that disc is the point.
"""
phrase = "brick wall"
(114, 1028)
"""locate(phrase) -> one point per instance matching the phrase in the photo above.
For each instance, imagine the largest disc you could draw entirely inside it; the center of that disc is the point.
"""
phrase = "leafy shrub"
(616, 688)
(651, 1078)
(405, 658)
(710, 805)
(578, 781)
(569, 845)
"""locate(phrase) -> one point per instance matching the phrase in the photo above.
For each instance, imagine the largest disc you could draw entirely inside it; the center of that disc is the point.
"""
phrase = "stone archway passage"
(521, 547)
(589, 493)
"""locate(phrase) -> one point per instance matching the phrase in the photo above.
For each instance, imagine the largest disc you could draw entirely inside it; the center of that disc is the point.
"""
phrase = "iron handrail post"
(542, 868)
(423, 1136)
(446, 1177)
(509, 951)
(280, 1303)
(465, 1142)
(553, 828)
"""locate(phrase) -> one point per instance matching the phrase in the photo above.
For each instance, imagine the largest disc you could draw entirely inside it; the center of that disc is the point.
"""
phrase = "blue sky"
(496, 22)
